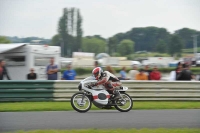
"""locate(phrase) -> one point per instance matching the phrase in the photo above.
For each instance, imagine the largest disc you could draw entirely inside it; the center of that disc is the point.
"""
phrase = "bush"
(116, 54)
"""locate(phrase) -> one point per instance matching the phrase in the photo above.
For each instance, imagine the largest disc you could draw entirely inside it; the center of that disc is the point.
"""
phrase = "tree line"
(156, 39)
(151, 39)
(15, 39)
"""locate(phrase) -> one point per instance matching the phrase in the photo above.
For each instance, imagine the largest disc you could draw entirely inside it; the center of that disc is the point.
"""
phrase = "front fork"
(83, 96)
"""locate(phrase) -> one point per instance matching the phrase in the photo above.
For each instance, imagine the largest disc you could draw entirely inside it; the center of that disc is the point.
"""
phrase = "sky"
(24, 18)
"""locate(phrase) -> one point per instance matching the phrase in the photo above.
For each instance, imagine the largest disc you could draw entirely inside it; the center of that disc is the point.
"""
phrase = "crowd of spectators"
(144, 74)
(52, 72)
(181, 73)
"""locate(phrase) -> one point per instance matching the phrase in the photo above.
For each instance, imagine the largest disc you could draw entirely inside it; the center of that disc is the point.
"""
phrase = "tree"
(4, 40)
(175, 45)
(67, 26)
(112, 45)
(145, 38)
(161, 46)
(72, 26)
(96, 36)
(186, 35)
(93, 45)
(55, 41)
(126, 47)
(63, 32)
(79, 31)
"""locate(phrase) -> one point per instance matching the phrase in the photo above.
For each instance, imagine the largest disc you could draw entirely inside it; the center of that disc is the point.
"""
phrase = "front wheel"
(81, 102)
(125, 103)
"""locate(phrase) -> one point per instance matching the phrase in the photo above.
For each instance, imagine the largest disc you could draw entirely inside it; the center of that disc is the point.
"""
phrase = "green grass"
(144, 130)
(66, 106)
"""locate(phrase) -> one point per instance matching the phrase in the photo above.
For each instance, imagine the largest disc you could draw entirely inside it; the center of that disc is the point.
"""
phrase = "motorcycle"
(100, 97)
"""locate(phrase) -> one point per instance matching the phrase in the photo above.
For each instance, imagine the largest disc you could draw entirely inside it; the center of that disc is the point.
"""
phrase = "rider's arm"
(104, 79)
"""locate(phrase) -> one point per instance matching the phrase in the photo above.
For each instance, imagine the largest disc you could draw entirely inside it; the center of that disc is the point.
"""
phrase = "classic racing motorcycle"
(88, 94)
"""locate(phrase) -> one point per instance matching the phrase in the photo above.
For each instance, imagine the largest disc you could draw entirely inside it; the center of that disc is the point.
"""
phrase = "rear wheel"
(79, 104)
(125, 103)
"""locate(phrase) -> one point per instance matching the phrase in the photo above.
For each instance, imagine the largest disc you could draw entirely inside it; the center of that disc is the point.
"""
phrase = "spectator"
(185, 74)
(147, 71)
(179, 69)
(52, 70)
(32, 75)
(123, 74)
(155, 74)
(96, 64)
(133, 72)
(109, 69)
(193, 76)
(141, 75)
(176, 72)
(69, 74)
(3, 70)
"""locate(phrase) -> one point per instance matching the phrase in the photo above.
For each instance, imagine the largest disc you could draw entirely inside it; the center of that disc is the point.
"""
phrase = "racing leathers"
(110, 82)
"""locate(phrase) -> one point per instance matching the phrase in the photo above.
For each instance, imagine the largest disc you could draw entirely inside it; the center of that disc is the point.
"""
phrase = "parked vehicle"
(20, 57)
(198, 63)
(82, 101)
(158, 61)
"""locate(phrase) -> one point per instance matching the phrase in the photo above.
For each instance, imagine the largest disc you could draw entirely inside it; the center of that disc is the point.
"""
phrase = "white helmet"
(97, 72)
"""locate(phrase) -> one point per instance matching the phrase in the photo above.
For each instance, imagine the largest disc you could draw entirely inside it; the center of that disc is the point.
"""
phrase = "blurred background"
(115, 33)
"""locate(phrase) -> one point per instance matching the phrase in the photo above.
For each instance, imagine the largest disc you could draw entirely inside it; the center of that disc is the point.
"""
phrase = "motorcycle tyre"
(126, 109)
(78, 110)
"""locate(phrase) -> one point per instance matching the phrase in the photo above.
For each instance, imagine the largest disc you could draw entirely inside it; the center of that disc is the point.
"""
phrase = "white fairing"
(95, 95)
(124, 88)
(95, 90)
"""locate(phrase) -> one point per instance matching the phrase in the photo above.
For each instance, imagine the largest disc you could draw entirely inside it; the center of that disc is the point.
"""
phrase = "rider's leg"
(111, 87)
(115, 85)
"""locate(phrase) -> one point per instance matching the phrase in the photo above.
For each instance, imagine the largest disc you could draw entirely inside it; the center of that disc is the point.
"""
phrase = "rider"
(107, 79)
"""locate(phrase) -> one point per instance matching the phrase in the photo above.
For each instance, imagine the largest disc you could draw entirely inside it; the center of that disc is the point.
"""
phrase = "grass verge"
(66, 106)
(145, 130)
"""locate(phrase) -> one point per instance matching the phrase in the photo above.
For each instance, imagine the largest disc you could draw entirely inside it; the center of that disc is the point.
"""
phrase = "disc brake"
(121, 102)
(80, 102)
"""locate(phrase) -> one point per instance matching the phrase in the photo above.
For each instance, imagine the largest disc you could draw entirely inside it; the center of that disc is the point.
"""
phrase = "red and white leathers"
(109, 80)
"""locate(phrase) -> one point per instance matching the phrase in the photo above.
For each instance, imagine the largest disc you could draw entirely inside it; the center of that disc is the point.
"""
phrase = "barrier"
(60, 90)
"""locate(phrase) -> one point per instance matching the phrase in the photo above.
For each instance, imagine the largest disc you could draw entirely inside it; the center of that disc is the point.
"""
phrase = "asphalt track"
(103, 119)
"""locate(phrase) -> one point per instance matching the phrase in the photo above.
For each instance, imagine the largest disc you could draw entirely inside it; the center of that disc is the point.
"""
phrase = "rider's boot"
(117, 94)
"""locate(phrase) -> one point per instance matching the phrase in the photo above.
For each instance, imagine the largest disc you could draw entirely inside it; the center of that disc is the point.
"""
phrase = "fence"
(63, 90)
